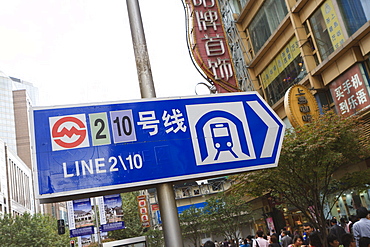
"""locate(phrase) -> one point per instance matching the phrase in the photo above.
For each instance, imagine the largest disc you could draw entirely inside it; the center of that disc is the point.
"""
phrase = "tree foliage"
(192, 224)
(312, 157)
(225, 215)
(131, 218)
(222, 215)
(133, 225)
(31, 231)
(154, 237)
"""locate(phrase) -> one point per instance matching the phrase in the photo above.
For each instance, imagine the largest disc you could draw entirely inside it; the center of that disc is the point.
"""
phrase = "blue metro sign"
(120, 145)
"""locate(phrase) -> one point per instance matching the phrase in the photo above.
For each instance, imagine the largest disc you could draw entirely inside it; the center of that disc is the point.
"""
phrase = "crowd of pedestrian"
(355, 233)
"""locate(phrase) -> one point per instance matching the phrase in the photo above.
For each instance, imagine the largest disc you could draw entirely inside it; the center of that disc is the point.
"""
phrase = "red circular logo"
(58, 134)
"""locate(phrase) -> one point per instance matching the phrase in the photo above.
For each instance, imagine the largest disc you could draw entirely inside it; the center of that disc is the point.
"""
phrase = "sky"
(80, 51)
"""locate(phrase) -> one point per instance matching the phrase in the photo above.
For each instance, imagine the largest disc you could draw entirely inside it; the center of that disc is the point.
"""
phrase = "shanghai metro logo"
(68, 132)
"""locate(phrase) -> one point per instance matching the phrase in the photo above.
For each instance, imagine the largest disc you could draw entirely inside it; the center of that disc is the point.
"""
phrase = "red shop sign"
(210, 48)
(350, 92)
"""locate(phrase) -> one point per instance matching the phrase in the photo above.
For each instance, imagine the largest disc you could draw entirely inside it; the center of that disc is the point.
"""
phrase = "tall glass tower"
(7, 122)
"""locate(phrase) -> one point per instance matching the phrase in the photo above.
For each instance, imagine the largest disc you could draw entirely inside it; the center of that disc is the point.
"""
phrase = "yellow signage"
(300, 105)
(332, 24)
(280, 62)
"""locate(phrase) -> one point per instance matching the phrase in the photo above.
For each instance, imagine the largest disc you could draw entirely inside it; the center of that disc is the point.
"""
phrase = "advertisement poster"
(350, 91)
(111, 213)
(81, 217)
(270, 225)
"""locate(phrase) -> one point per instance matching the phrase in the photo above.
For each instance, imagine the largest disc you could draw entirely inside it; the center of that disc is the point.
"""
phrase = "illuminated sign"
(350, 92)
(300, 105)
(210, 48)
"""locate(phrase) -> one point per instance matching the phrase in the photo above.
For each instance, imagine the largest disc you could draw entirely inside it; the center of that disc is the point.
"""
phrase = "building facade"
(16, 163)
(16, 184)
(323, 45)
(16, 180)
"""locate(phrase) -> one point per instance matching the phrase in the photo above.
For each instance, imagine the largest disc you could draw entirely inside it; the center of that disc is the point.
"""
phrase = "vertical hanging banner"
(143, 211)
(209, 45)
(111, 213)
(332, 24)
(80, 217)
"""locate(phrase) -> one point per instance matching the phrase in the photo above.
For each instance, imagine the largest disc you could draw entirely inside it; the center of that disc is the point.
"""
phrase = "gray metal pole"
(169, 215)
(166, 197)
(144, 71)
(97, 222)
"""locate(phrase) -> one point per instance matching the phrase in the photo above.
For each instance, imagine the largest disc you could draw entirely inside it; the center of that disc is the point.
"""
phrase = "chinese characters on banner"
(80, 217)
(210, 48)
(350, 92)
(280, 62)
(111, 213)
(332, 23)
(143, 211)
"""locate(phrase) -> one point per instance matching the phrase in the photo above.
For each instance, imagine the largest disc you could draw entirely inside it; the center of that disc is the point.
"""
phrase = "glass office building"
(7, 122)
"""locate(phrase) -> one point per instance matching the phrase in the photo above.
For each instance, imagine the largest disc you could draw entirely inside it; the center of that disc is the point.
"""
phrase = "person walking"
(209, 243)
(362, 227)
(297, 241)
(348, 240)
(315, 240)
(336, 230)
(285, 239)
(332, 240)
(308, 229)
(232, 243)
(274, 241)
(226, 243)
(260, 241)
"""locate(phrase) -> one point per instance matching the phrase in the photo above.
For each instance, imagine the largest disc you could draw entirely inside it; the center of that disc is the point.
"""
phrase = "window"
(291, 75)
(326, 29)
(284, 70)
(355, 14)
(321, 35)
(216, 186)
(237, 5)
(185, 192)
(266, 21)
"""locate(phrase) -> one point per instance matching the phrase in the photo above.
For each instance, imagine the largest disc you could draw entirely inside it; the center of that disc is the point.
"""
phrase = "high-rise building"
(24, 96)
(16, 180)
(16, 164)
(7, 123)
(7, 120)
